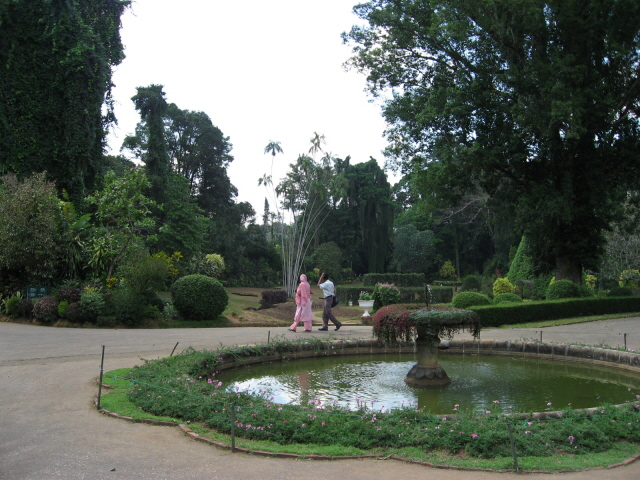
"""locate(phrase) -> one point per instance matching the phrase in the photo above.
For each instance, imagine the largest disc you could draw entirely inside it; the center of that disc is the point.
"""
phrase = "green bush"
(562, 289)
(92, 305)
(398, 279)
(467, 299)
(471, 283)
(13, 307)
(73, 313)
(407, 294)
(620, 292)
(46, 309)
(385, 294)
(506, 297)
(62, 308)
(502, 285)
(129, 307)
(198, 297)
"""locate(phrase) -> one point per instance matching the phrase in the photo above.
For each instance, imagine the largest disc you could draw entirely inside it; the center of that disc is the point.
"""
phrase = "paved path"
(49, 428)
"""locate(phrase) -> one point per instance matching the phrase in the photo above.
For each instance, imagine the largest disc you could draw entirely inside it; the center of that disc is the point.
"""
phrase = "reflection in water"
(498, 384)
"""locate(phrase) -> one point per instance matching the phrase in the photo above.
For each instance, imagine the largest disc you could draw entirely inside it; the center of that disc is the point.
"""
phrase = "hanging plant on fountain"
(426, 326)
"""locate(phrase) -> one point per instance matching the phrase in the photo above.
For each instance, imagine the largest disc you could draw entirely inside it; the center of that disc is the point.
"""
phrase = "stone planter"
(366, 304)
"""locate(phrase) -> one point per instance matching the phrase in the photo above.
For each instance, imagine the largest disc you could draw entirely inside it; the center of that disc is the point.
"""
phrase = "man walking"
(329, 291)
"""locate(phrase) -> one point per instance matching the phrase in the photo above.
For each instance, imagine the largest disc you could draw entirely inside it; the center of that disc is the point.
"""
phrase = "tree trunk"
(568, 269)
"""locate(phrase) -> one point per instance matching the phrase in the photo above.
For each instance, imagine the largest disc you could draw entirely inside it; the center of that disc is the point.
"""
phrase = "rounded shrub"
(471, 283)
(468, 299)
(62, 308)
(198, 297)
(620, 292)
(73, 313)
(129, 307)
(13, 306)
(92, 305)
(46, 309)
(562, 289)
(502, 285)
(506, 297)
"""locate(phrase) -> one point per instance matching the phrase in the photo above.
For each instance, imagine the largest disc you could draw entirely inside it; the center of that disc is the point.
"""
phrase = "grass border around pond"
(116, 400)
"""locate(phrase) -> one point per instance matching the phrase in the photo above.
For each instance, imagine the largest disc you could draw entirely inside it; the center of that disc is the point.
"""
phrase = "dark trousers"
(327, 314)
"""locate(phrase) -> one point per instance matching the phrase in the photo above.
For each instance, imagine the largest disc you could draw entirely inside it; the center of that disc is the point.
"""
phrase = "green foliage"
(385, 294)
(521, 267)
(471, 283)
(398, 279)
(92, 305)
(30, 235)
(467, 299)
(198, 297)
(447, 270)
(56, 61)
(211, 265)
(562, 289)
(620, 292)
(143, 273)
(46, 309)
(73, 312)
(506, 297)
(327, 258)
(129, 306)
(62, 308)
(12, 306)
(508, 313)
(502, 285)
(413, 250)
(407, 294)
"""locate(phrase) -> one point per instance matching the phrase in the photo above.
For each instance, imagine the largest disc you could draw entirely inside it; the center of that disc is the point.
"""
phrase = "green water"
(481, 383)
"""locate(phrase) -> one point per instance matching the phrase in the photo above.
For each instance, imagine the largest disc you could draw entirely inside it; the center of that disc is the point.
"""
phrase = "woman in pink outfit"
(303, 301)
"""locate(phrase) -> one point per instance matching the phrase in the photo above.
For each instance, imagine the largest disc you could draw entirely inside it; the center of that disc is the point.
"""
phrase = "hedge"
(515, 313)
(348, 293)
(398, 279)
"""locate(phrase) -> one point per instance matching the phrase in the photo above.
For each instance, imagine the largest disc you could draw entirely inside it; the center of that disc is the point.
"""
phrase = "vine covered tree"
(534, 102)
(56, 60)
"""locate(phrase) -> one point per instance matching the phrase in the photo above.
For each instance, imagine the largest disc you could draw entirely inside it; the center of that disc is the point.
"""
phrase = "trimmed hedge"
(398, 279)
(198, 297)
(506, 297)
(467, 299)
(273, 297)
(525, 312)
(407, 294)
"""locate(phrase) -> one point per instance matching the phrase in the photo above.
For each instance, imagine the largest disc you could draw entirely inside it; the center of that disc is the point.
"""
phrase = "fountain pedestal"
(427, 372)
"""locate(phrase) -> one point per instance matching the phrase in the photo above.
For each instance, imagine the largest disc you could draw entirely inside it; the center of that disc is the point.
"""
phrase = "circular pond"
(479, 383)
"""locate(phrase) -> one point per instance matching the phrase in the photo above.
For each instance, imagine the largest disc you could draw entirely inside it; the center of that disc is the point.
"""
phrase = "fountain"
(427, 325)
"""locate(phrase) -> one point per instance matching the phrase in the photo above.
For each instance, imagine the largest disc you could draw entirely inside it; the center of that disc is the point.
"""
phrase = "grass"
(570, 321)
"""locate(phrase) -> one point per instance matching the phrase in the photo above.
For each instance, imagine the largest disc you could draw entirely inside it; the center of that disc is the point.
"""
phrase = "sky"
(262, 70)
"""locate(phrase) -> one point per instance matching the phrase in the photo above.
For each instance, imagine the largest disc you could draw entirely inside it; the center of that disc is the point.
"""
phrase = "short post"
(100, 382)
(540, 336)
(268, 336)
(625, 341)
(513, 448)
(174, 349)
(233, 428)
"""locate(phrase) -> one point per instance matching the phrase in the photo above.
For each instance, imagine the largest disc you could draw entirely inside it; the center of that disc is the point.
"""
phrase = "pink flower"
(473, 435)
(548, 404)
(527, 431)
(323, 424)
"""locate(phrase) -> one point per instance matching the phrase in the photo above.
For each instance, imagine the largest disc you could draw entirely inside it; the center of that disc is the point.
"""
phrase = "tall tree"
(533, 101)
(56, 60)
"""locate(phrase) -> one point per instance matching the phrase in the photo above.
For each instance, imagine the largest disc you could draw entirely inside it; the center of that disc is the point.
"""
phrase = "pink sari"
(303, 301)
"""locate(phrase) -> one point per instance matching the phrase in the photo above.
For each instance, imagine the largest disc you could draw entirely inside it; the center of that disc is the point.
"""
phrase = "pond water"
(480, 383)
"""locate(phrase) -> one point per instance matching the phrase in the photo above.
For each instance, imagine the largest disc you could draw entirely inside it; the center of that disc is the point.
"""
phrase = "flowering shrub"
(46, 309)
(385, 294)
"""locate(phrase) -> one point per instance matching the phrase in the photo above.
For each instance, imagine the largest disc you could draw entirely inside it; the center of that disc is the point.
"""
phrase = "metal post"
(174, 349)
(268, 336)
(233, 428)
(625, 341)
(100, 382)
(513, 448)
(540, 336)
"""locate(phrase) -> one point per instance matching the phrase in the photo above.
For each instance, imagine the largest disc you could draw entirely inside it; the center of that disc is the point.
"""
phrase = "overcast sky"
(262, 70)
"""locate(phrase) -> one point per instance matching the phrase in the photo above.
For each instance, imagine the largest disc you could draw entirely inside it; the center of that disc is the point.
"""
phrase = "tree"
(413, 250)
(124, 216)
(56, 60)
(531, 101)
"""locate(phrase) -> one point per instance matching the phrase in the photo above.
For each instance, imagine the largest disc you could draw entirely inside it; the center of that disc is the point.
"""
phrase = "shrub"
(62, 308)
(385, 294)
(46, 309)
(92, 305)
(26, 307)
(467, 299)
(73, 312)
(506, 297)
(273, 297)
(12, 306)
(129, 307)
(146, 273)
(69, 294)
(562, 289)
(620, 292)
(471, 283)
(502, 285)
(198, 297)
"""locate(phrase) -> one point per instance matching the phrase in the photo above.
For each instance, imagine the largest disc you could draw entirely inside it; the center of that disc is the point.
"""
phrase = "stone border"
(627, 361)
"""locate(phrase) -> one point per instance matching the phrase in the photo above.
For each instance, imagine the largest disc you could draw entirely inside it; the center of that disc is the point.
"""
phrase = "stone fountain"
(427, 326)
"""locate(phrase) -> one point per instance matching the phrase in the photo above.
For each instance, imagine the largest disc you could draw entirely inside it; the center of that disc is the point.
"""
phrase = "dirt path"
(49, 428)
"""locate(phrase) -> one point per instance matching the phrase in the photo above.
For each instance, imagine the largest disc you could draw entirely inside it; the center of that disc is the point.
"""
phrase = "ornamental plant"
(385, 294)
(366, 296)
(468, 299)
(199, 297)
(503, 285)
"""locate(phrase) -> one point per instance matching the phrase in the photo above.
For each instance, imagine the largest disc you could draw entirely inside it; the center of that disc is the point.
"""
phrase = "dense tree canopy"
(56, 58)
(534, 102)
